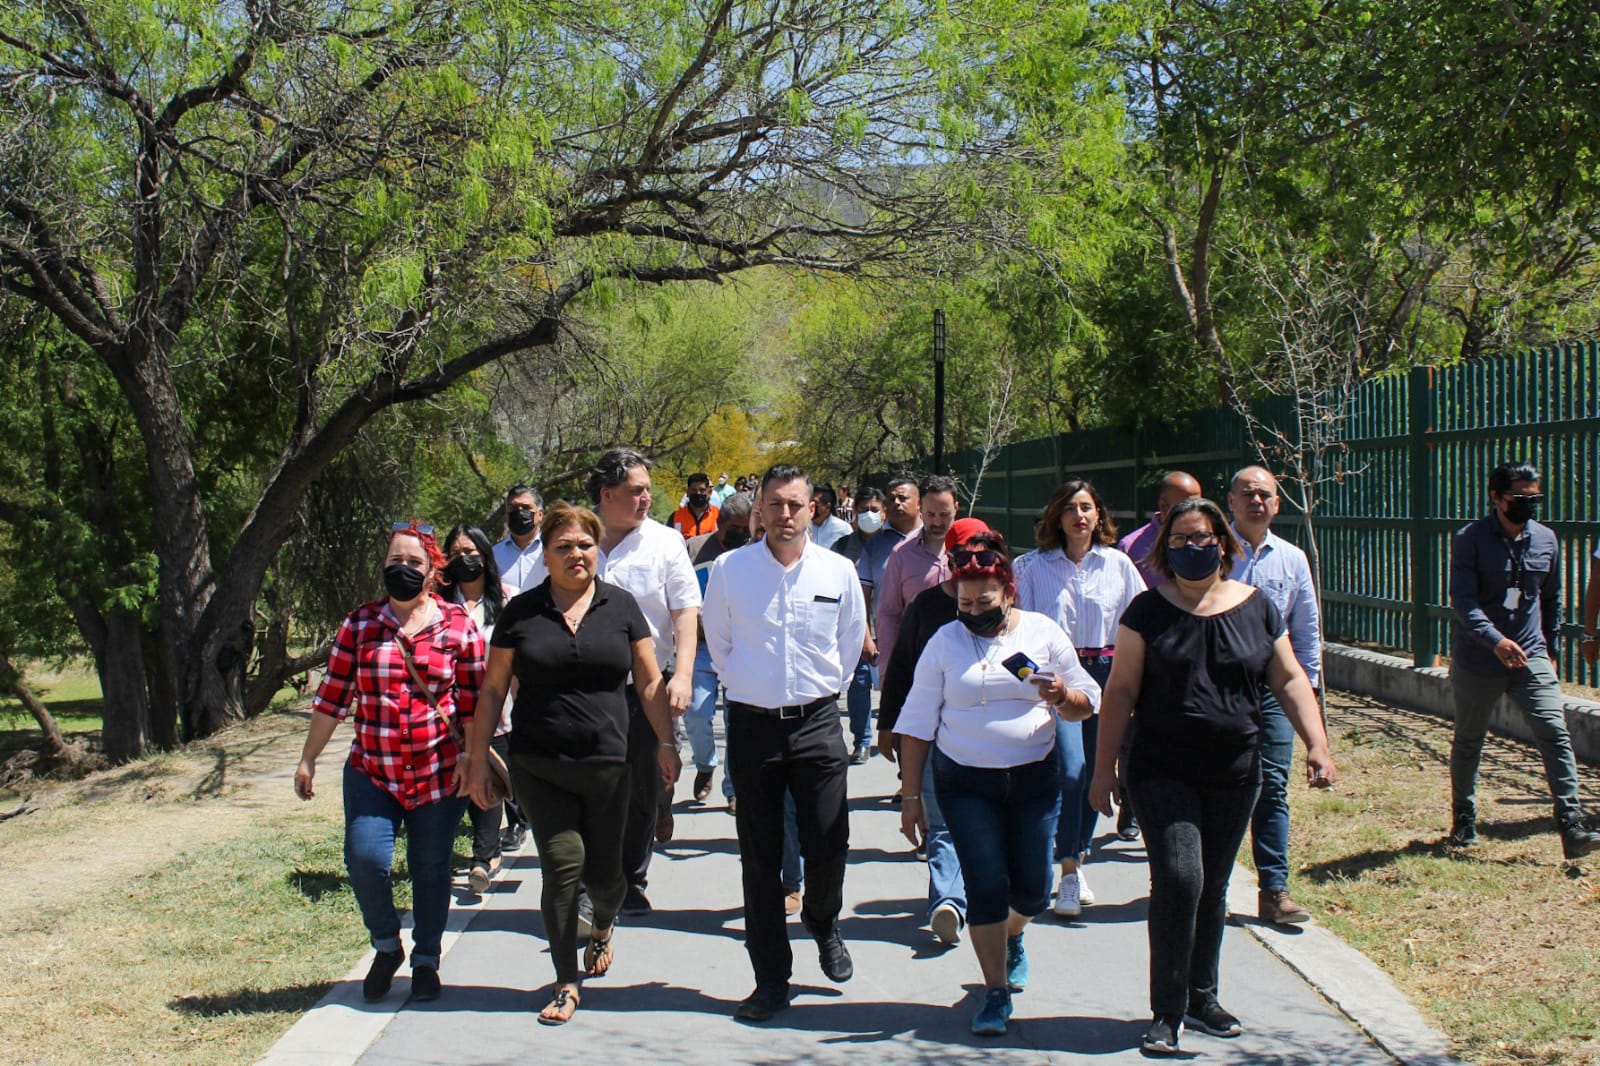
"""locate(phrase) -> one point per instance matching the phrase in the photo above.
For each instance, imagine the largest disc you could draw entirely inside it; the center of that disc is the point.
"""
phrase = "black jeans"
(1192, 835)
(576, 810)
(644, 794)
(806, 757)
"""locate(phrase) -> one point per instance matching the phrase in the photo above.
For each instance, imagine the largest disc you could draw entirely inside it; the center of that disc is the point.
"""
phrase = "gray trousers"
(1537, 691)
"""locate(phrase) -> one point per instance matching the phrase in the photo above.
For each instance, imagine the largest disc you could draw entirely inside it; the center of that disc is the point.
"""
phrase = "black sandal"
(598, 956)
(561, 1001)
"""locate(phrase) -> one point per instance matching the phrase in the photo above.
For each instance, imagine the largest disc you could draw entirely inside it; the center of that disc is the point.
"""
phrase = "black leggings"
(1192, 835)
(486, 823)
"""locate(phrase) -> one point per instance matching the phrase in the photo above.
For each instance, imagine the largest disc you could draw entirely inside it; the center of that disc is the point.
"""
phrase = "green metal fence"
(1417, 448)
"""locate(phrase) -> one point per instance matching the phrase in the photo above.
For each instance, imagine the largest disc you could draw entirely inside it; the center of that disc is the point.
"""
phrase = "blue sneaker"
(1016, 964)
(992, 1016)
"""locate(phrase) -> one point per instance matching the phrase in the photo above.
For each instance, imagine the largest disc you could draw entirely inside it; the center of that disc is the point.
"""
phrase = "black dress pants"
(805, 756)
(644, 794)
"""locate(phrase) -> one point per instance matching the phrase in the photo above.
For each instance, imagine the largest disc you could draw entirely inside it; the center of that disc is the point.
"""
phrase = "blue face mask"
(1193, 563)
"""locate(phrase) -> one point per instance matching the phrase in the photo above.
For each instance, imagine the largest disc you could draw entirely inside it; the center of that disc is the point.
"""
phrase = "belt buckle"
(790, 712)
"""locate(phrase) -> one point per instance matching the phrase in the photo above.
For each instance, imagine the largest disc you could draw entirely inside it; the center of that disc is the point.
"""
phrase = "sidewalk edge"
(340, 1028)
(1346, 978)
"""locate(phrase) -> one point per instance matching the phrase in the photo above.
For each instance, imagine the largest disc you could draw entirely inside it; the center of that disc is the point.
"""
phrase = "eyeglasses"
(407, 527)
(1199, 540)
(962, 558)
(1526, 497)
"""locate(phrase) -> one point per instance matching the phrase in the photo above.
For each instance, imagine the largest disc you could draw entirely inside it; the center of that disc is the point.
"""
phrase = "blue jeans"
(697, 721)
(1075, 744)
(1269, 826)
(372, 817)
(945, 883)
(794, 867)
(858, 700)
(1001, 821)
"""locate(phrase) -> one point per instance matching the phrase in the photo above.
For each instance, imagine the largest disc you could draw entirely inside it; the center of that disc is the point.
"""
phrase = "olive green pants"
(576, 812)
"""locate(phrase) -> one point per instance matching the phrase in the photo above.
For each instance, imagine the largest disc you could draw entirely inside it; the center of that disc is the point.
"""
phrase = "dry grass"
(183, 909)
(1499, 947)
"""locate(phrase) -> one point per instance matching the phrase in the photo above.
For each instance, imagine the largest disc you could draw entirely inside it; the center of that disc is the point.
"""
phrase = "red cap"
(963, 530)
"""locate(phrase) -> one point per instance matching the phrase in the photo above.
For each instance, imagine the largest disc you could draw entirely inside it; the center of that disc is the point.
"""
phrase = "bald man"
(1176, 487)
(1282, 572)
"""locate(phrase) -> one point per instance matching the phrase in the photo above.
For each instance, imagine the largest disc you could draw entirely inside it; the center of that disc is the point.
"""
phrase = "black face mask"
(698, 499)
(465, 568)
(520, 521)
(1194, 563)
(403, 583)
(984, 623)
(735, 537)
(1519, 511)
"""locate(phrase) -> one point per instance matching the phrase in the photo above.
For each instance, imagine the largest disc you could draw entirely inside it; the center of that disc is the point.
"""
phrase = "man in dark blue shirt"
(1505, 590)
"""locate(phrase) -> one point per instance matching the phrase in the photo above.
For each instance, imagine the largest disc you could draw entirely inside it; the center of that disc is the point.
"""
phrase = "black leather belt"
(793, 710)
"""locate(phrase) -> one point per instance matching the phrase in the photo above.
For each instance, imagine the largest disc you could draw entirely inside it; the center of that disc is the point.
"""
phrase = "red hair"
(430, 548)
(1000, 571)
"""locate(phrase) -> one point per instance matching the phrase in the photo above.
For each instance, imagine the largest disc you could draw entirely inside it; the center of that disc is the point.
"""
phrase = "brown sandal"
(598, 955)
(564, 1003)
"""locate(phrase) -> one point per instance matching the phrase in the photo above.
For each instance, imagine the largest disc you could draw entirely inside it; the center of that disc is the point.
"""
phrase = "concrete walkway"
(679, 973)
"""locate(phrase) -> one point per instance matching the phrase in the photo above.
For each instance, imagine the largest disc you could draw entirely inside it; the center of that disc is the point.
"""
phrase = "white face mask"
(869, 521)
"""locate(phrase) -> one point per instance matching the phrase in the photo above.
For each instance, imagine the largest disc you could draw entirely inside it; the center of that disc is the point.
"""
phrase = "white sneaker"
(946, 924)
(1085, 894)
(1068, 904)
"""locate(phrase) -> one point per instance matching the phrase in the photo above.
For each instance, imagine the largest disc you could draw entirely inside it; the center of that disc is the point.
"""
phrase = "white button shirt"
(1087, 599)
(651, 563)
(780, 636)
(521, 569)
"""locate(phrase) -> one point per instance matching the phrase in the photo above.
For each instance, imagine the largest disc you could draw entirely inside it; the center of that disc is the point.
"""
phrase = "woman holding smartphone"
(985, 697)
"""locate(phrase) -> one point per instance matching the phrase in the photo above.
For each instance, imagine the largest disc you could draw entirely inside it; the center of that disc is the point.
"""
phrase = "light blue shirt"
(1282, 572)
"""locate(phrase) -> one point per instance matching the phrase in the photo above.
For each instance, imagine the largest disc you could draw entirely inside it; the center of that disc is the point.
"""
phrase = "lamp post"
(938, 390)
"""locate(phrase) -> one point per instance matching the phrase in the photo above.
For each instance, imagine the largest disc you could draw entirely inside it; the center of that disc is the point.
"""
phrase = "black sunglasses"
(962, 558)
(406, 527)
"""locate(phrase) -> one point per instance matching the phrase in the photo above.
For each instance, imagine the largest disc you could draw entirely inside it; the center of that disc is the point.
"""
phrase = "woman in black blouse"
(1195, 656)
(570, 642)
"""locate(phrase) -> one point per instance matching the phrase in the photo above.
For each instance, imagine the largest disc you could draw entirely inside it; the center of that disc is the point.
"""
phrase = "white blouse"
(1086, 599)
(977, 711)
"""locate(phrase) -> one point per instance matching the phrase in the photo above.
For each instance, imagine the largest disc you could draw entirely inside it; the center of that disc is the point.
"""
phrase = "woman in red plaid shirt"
(405, 665)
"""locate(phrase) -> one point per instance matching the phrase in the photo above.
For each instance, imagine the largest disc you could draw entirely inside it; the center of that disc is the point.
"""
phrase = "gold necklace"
(984, 660)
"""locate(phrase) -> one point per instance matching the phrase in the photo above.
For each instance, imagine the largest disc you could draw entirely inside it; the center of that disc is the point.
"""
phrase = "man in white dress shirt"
(520, 556)
(784, 623)
(646, 558)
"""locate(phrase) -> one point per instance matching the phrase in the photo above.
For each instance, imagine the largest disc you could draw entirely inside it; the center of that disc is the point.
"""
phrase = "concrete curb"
(342, 1026)
(1427, 688)
(1346, 978)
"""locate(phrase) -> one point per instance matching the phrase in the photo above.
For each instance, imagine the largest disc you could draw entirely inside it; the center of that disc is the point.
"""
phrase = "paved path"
(679, 973)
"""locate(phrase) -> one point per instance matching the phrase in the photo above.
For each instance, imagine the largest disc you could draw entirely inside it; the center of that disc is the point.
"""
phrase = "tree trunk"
(125, 709)
(54, 748)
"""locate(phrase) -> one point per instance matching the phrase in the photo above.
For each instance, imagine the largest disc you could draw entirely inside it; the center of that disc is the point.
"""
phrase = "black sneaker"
(381, 974)
(424, 984)
(1578, 840)
(1463, 831)
(1127, 824)
(1162, 1036)
(763, 1003)
(1208, 1016)
(834, 958)
(635, 902)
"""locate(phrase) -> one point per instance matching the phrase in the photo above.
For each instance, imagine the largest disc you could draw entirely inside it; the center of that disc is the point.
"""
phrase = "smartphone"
(1025, 669)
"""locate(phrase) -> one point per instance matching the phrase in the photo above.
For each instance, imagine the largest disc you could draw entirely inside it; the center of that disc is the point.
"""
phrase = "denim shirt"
(1485, 567)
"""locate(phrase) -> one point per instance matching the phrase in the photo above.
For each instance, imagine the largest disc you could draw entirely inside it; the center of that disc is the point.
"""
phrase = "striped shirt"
(1086, 599)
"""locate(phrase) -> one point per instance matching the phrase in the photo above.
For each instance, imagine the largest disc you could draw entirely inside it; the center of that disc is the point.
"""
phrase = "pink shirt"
(912, 567)
(1138, 545)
